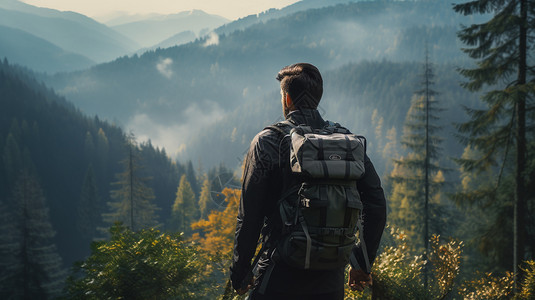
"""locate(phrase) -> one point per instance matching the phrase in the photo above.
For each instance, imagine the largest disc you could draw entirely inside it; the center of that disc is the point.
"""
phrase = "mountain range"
(29, 50)
(193, 90)
(153, 29)
(48, 40)
(70, 31)
(174, 96)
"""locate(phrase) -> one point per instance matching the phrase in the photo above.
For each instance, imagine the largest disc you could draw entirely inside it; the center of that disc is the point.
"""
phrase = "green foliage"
(501, 130)
(138, 265)
(185, 211)
(528, 285)
(489, 287)
(205, 198)
(398, 274)
(31, 266)
(133, 199)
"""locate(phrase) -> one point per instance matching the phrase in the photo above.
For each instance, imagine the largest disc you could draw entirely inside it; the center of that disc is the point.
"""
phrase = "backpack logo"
(335, 157)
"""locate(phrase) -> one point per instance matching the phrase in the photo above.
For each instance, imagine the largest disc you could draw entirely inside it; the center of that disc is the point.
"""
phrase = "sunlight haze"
(231, 9)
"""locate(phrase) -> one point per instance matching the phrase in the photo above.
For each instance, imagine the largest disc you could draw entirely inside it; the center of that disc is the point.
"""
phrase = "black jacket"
(265, 176)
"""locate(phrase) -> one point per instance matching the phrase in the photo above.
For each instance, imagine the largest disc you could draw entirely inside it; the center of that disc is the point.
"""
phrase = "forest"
(91, 210)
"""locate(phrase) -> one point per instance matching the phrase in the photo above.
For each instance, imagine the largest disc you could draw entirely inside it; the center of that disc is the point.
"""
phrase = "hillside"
(155, 29)
(70, 31)
(45, 135)
(274, 13)
(28, 50)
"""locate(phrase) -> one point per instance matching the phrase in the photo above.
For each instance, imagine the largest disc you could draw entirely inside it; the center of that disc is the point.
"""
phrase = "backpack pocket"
(322, 256)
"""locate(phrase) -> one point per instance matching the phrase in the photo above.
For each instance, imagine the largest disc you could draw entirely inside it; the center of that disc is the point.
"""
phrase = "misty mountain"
(70, 31)
(154, 29)
(275, 13)
(28, 50)
(173, 95)
(183, 37)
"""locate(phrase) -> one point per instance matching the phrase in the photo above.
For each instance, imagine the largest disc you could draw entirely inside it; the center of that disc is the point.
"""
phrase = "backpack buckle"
(305, 202)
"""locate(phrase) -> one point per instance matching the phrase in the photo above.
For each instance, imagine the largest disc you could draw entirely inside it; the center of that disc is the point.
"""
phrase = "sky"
(230, 9)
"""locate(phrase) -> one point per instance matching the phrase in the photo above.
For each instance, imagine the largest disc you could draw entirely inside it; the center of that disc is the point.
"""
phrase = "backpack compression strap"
(352, 258)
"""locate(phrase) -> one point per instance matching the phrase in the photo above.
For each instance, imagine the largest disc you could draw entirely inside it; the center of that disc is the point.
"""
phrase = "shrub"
(137, 265)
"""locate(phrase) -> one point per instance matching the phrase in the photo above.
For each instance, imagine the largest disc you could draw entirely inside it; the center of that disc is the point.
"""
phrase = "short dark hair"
(303, 83)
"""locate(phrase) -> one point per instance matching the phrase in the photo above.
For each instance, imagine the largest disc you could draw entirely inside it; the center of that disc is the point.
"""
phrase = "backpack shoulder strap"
(283, 127)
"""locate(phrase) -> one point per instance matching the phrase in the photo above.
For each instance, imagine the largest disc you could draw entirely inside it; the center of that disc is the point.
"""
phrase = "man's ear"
(289, 102)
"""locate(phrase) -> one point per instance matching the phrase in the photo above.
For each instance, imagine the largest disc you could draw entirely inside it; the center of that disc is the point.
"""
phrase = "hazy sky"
(231, 9)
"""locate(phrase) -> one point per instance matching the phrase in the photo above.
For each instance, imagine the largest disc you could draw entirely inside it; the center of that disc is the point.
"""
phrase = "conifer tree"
(89, 207)
(412, 177)
(12, 159)
(192, 178)
(33, 270)
(498, 132)
(8, 248)
(205, 198)
(184, 209)
(102, 149)
(89, 147)
(133, 200)
(486, 229)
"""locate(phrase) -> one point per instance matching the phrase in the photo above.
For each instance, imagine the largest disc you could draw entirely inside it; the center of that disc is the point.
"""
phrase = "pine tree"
(34, 269)
(205, 199)
(12, 159)
(412, 178)
(8, 248)
(89, 207)
(133, 199)
(500, 46)
(487, 229)
(192, 178)
(185, 211)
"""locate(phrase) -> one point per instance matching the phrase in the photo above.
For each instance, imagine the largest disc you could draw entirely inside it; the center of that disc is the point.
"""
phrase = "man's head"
(302, 84)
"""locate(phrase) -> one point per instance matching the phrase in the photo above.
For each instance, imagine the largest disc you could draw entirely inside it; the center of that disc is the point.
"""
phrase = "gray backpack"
(319, 226)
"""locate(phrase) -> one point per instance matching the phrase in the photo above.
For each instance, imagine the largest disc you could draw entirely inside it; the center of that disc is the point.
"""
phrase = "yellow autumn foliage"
(217, 232)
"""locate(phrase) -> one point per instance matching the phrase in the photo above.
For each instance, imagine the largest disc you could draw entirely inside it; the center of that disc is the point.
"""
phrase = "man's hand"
(244, 290)
(358, 279)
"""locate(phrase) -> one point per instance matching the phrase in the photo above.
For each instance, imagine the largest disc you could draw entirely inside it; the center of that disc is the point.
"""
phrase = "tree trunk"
(520, 191)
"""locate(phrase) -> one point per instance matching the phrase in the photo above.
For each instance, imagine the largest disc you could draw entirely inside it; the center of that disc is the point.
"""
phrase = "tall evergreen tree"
(133, 199)
(185, 210)
(498, 132)
(205, 199)
(8, 249)
(192, 178)
(89, 207)
(34, 269)
(412, 178)
(12, 159)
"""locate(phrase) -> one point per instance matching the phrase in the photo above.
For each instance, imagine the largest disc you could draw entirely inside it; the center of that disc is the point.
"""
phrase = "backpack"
(322, 214)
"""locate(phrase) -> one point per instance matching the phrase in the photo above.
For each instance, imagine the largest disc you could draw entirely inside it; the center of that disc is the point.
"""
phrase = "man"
(266, 177)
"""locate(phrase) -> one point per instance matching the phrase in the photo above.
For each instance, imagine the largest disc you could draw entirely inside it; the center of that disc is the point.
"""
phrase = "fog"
(175, 137)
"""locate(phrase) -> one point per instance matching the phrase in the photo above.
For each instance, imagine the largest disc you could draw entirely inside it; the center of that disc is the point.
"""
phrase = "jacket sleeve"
(255, 197)
(374, 215)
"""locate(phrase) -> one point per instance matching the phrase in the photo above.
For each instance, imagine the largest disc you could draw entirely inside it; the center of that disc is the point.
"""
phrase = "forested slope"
(43, 134)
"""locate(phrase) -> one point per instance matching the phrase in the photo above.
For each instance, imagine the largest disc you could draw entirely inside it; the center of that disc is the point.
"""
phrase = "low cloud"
(164, 67)
(212, 39)
(174, 137)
